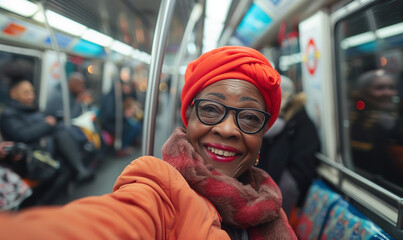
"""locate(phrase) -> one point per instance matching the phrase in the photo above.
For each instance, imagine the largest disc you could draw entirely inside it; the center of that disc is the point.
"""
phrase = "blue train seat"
(326, 215)
(320, 199)
(346, 222)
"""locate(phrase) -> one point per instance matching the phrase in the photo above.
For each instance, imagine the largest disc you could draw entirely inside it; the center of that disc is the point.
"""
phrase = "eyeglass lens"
(211, 113)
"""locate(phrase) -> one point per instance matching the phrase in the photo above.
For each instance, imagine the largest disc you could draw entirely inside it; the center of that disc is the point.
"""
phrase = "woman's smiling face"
(224, 146)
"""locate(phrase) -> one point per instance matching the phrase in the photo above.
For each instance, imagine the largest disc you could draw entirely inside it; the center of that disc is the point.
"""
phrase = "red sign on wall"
(312, 55)
(14, 29)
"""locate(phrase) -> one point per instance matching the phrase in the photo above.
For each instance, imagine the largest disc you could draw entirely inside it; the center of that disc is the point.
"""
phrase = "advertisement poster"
(51, 75)
(11, 27)
(254, 23)
(316, 73)
(259, 18)
(277, 8)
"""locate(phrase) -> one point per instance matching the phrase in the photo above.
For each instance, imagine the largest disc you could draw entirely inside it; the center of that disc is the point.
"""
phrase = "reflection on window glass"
(370, 75)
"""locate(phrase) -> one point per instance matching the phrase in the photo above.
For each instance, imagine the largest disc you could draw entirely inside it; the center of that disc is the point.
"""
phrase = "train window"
(369, 49)
(289, 60)
(16, 66)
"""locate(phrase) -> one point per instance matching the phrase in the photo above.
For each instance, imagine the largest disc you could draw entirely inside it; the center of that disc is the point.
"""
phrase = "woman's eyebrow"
(220, 95)
(242, 99)
(248, 99)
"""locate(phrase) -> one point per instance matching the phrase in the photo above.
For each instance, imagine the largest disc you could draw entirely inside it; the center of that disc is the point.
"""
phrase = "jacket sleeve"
(55, 105)
(141, 207)
(135, 210)
(16, 129)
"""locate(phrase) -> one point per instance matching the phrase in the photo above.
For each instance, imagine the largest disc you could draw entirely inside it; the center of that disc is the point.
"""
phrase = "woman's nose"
(227, 128)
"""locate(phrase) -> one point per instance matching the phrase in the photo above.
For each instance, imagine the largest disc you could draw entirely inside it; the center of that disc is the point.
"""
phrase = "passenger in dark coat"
(21, 121)
(79, 102)
(78, 95)
(288, 149)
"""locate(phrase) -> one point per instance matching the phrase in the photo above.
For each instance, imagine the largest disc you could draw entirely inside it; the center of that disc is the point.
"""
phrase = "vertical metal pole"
(157, 56)
(117, 144)
(63, 78)
(194, 17)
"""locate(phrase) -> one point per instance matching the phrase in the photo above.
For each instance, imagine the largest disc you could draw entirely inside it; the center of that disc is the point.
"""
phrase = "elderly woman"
(206, 186)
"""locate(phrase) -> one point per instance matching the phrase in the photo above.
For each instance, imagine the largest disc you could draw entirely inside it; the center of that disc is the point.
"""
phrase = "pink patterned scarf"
(254, 205)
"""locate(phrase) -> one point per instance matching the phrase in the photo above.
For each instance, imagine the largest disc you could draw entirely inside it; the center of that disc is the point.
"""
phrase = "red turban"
(233, 62)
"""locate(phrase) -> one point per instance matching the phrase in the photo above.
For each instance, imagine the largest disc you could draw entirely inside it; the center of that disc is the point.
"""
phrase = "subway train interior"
(345, 56)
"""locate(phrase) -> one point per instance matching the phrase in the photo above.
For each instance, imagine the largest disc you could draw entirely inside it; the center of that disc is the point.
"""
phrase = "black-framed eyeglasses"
(248, 120)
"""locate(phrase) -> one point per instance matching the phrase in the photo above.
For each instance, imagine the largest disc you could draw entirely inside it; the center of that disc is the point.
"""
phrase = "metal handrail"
(154, 77)
(63, 77)
(194, 17)
(370, 185)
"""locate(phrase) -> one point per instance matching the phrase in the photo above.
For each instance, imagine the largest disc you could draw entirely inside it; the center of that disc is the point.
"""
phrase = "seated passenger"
(289, 147)
(131, 130)
(80, 99)
(21, 121)
(133, 115)
(206, 186)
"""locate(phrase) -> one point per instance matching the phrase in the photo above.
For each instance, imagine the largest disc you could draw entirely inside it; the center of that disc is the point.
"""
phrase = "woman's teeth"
(221, 152)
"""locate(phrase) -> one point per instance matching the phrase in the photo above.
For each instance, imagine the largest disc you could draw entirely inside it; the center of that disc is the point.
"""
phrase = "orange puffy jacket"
(150, 200)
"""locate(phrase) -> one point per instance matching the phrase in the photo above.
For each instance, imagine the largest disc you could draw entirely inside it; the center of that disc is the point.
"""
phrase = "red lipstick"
(221, 158)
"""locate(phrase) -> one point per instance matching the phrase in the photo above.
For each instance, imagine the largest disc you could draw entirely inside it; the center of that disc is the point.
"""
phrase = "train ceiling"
(129, 21)
(132, 22)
